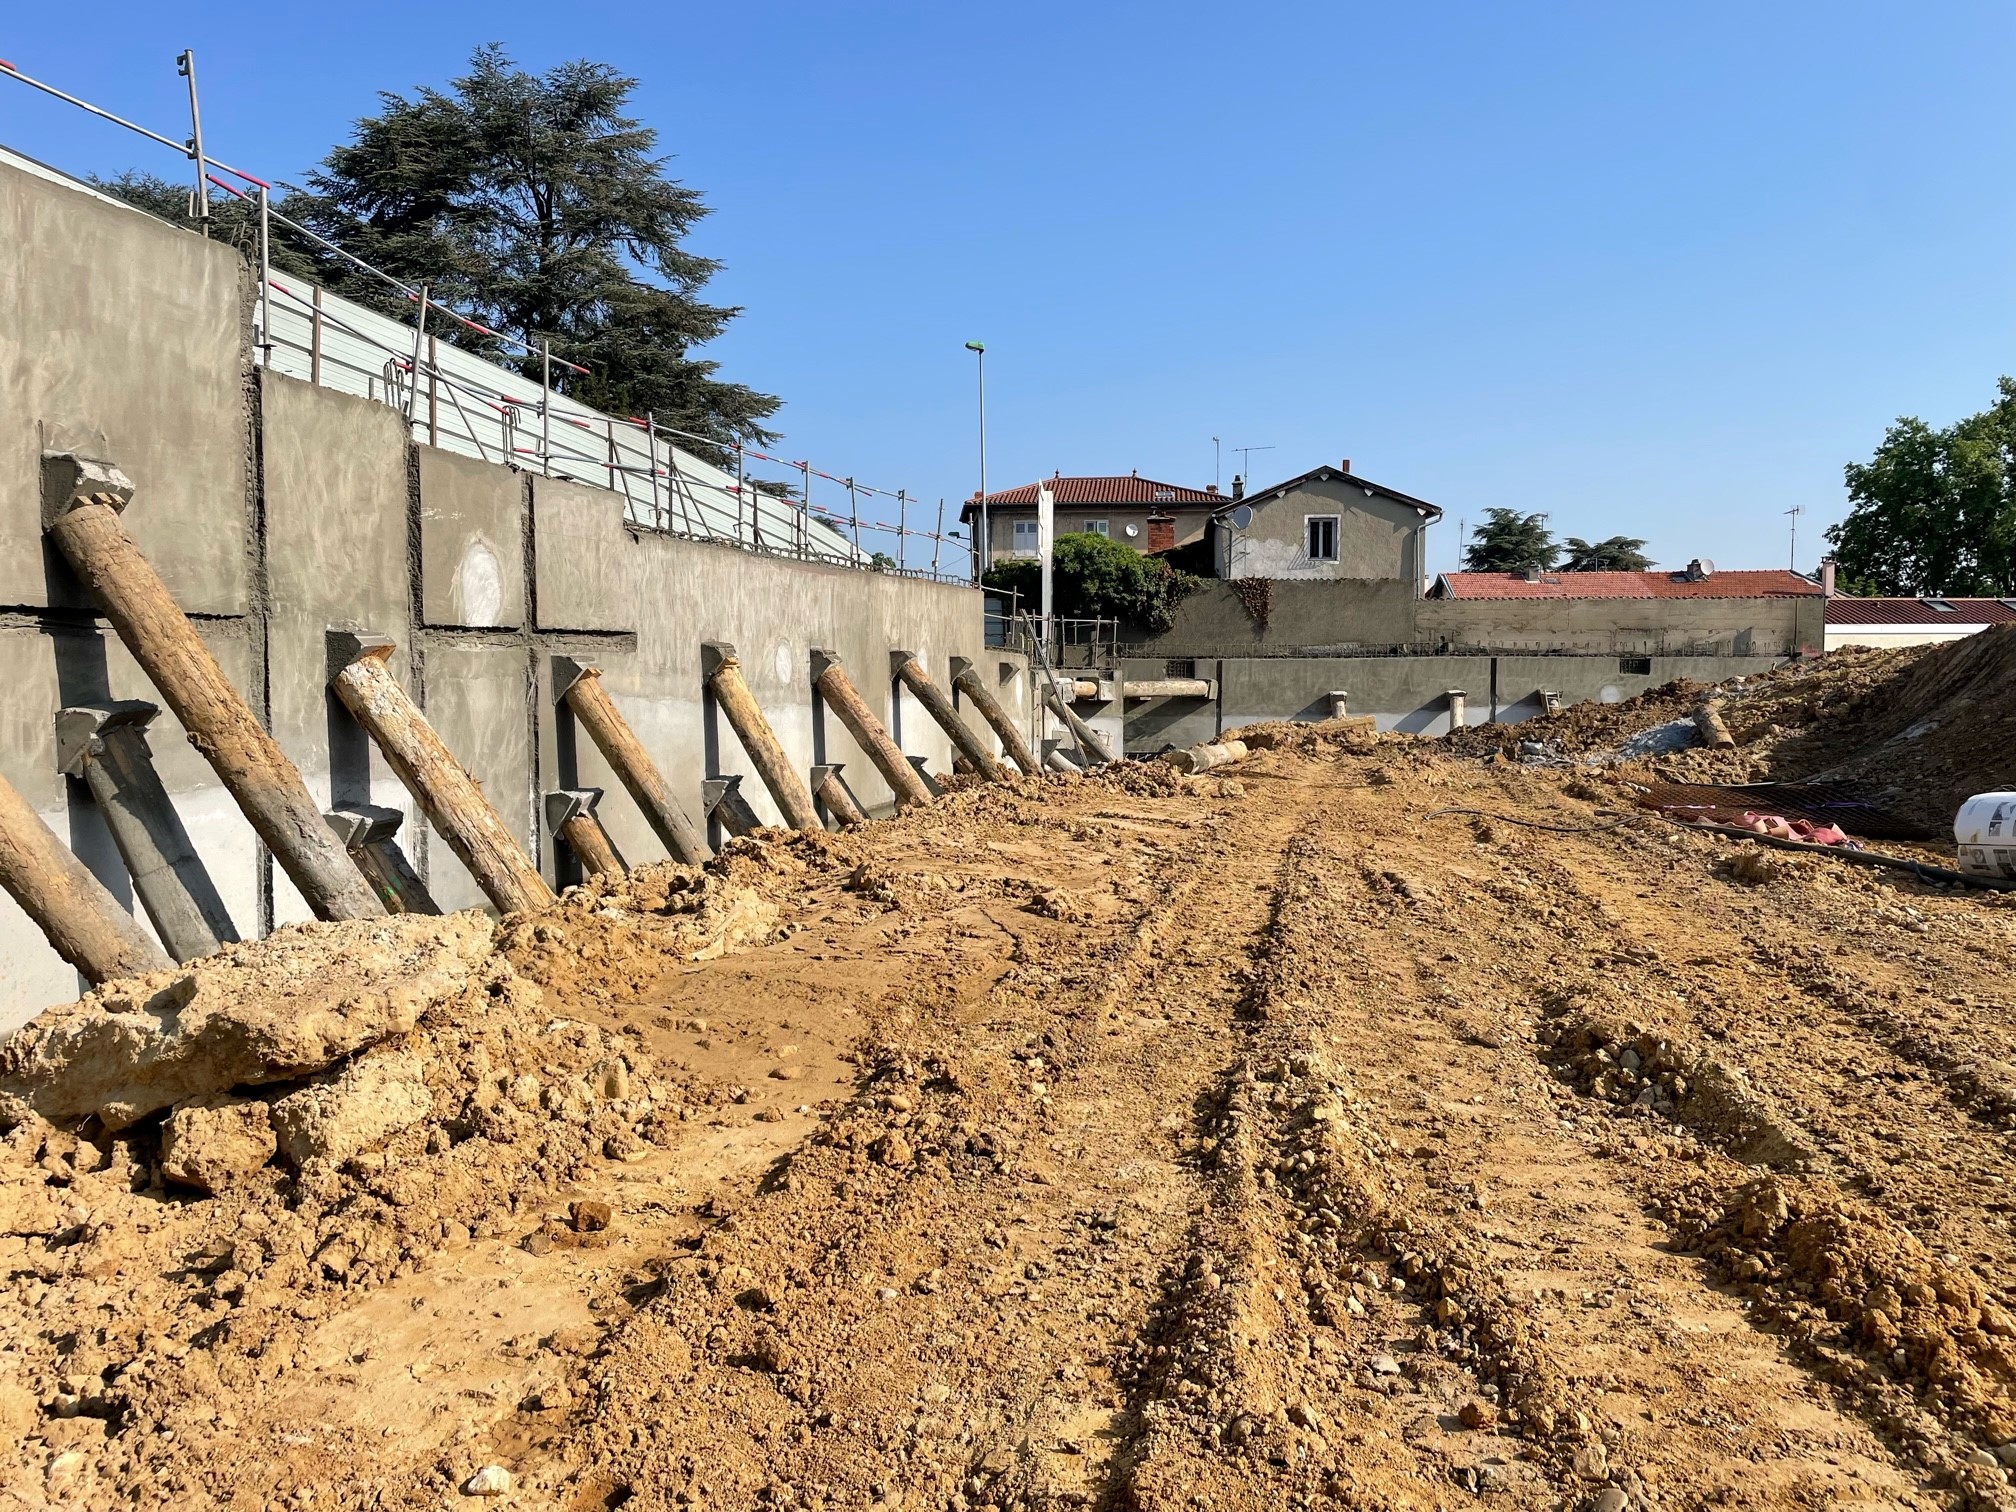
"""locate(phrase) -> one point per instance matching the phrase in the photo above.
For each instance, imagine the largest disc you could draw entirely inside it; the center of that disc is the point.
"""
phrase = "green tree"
(1933, 512)
(1617, 554)
(535, 205)
(1094, 577)
(1509, 541)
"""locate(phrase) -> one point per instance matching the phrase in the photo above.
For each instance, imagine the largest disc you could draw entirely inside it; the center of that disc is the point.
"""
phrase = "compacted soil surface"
(1273, 1140)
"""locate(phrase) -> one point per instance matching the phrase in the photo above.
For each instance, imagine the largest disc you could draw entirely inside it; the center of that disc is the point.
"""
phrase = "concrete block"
(131, 339)
(472, 552)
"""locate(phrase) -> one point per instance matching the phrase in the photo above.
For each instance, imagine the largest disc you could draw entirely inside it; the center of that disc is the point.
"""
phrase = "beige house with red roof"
(1147, 514)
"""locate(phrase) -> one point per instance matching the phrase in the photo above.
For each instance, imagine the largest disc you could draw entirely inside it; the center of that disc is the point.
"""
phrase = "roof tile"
(1772, 583)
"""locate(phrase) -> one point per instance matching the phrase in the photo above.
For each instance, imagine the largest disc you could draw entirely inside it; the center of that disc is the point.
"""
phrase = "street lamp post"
(983, 557)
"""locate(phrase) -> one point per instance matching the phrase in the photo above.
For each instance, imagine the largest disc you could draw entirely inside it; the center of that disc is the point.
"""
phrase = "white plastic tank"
(1985, 830)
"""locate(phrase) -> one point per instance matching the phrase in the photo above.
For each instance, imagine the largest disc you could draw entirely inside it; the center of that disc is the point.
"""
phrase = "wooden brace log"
(71, 907)
(1708, 720)
(441, 785)
(967, 680)
(732, 696)
(1207, 757)
(589, 702)
(910, 672)
(81, 506)
(831, 679)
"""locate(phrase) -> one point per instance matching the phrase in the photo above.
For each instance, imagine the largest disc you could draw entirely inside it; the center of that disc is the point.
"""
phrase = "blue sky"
(1657, 271)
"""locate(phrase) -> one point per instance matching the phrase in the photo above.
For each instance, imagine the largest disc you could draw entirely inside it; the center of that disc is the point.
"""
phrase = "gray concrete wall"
(1722, 627)
(122, 339)
(277, 512)
(1307, 616)
(1405, 693)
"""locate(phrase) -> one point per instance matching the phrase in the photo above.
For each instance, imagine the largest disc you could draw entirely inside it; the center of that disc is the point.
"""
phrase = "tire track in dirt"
(1439, 966)
(930, 1301)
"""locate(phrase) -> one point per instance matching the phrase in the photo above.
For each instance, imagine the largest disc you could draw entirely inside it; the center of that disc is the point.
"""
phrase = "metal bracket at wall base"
(566, 672)
(722, 799)
(357, 825)
(823, 661)
(81, 728)
(930, 783)
(713, 654)
(570, 803)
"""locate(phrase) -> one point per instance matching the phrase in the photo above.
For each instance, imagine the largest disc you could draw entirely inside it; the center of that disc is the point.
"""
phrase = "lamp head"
(976, 346)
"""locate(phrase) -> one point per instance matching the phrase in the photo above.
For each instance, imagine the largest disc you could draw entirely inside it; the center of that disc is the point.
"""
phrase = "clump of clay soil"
(190, 1160)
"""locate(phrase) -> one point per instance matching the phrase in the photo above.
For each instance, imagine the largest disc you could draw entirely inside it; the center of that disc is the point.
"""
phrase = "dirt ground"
(1279, 1141)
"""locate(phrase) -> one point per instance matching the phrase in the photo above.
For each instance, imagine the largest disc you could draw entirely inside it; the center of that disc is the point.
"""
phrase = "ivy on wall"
(1256, 596)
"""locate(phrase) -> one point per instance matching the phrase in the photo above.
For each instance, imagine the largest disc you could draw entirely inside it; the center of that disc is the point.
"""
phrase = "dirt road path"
(1267, 1143)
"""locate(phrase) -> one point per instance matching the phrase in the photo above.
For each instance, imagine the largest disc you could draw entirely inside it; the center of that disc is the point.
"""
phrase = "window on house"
(1025, 536)
(1319, 537)
(1097, 527)
(1938, 606)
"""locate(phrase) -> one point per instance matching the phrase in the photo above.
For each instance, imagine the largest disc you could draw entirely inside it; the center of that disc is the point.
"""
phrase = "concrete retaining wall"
(276, 512)
(1405, 693)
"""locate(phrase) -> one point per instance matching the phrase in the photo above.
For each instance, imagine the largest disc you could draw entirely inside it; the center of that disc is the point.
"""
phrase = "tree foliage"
(1094, 577)
(1617, 554)
(535, 205)
(1509, 541)
(1933, 512)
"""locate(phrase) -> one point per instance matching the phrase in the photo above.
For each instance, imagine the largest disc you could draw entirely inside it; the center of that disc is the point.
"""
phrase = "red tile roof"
(1911, 611)
(1128, 490)
(1774, 583)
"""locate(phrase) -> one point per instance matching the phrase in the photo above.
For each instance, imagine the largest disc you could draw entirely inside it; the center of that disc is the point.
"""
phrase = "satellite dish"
(1707, 567)
(1242, 517)
(1133, 530)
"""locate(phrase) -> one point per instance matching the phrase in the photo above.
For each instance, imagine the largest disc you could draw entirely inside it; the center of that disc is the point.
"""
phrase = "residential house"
(1148, 515)
(1328, 524)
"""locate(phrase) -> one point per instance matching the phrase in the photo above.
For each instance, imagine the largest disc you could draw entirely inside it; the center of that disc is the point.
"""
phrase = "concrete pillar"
(452, 799)
(830, 792)
(82, 502)
(104, 745)
(727, 807)
(1458, 709)
(910, 672)
(722, 673)
(966, 678)
(71, 907)
(1340, 704)
(370, 834)
(579, 687)
(570, 814)
(830, 678)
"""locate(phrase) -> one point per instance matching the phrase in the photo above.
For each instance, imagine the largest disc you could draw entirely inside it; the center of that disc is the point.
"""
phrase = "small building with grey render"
(1327, 524)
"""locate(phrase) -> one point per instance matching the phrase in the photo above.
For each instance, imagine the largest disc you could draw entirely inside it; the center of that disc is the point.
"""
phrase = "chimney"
(1827, 577)
(1210, 488)
(1238, 486)
(1347, 464)
(1697, 570)
(1161, 532)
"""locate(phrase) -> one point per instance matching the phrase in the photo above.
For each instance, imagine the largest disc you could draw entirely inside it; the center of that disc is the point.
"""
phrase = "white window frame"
(1022, 537)
(1100, 527)
(1307, 544)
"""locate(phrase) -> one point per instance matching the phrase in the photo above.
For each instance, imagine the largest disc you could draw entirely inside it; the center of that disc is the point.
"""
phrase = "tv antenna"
(1246, 459)
(1217, 463)
(1793, 515)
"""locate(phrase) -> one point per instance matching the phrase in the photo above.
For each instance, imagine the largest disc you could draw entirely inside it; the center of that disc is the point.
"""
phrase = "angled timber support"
(82, 502)
(727, 807)
(71, 907)
(831, 679)
(579, 687)
(1087, 738)
(966, 678)
(570, 814)
(910, 672)
(830, 792)
(370, 834)
(441, 785)
(722, 672)
(104, 745)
